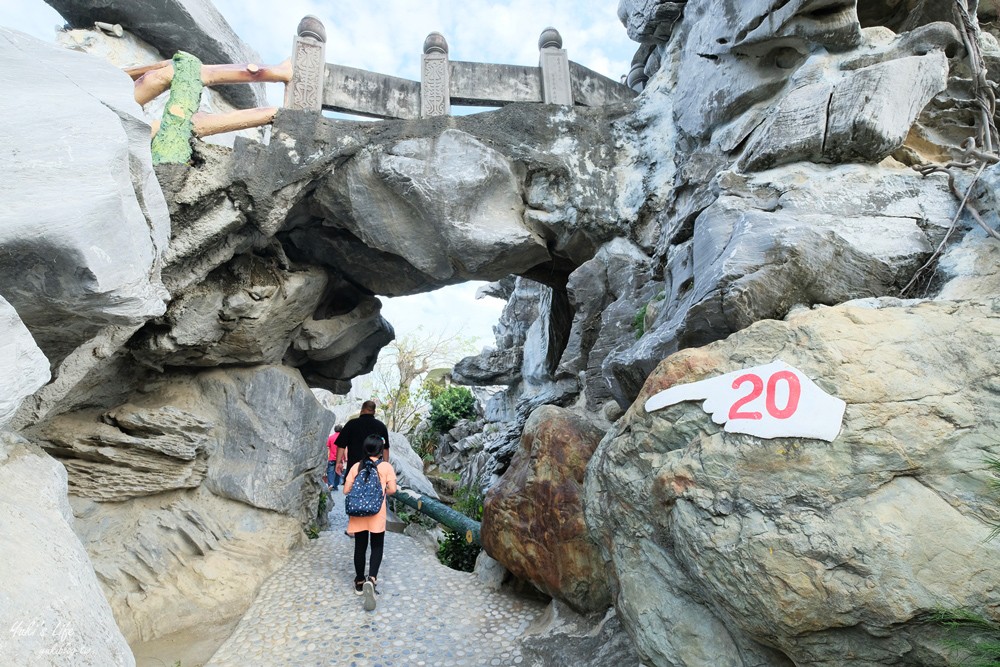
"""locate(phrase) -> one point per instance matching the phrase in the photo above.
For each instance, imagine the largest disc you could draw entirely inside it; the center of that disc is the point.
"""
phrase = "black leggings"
(360, 547)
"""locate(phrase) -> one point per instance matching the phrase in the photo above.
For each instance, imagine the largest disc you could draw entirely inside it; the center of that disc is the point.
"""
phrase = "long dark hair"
(373, 445)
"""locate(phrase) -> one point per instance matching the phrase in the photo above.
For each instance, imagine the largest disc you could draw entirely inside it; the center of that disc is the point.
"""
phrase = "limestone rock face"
(272, 439)
(843, 121)
(245, 313)
(533, 519)
(132, 451)
(723, 544)
(408, 466)
(23, 367)
(569, 638)
(255, 435)
(649, 20)
(53, 610)
(759, 249)
(181, 559)
(605, 294)
(332, 350)
(195, 26)
(64, 268)
(412, 200)
(209, 224)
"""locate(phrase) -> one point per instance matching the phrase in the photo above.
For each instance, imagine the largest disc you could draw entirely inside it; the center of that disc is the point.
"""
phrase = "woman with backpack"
(370, 479)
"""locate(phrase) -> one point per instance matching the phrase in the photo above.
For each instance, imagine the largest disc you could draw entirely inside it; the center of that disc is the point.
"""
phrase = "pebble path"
(428, 615)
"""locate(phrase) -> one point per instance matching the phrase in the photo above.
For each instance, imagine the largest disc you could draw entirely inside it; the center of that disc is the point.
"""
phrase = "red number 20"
(757, 388)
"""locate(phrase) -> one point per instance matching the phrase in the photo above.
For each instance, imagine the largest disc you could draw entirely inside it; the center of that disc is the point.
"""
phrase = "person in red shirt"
(332, 478)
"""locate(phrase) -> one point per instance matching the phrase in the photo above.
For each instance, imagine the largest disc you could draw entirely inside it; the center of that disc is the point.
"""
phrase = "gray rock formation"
(807, 546)
(757, 251)
(181, 560)
(23, 367)
(409, 466)
(763, 171)
(66, 271)
(411, 199)
(563, 636)
(245, 312)
(195, 26)
(269, 458)
(130, 452)
(53, 610)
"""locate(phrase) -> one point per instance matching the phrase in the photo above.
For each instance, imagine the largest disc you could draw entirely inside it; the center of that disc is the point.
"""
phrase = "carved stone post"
(305, 91)
(554, 62)
(435, 77)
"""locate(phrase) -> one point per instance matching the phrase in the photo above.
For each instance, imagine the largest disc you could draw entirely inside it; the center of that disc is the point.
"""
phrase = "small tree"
(397, 380)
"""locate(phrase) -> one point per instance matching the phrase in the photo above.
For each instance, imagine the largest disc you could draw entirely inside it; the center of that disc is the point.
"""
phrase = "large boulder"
(533, 518)
(83, 223)
(409, 466)
(273, 463)
(729, 549)
(52, 609)
(412, 200)
(130, 451)
(189, 430)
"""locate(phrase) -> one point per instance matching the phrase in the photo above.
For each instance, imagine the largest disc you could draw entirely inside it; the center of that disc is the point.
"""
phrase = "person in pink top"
(365, 528)
(332, 478)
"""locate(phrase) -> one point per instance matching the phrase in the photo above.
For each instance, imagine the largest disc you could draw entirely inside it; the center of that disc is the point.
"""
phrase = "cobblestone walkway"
(427, 616)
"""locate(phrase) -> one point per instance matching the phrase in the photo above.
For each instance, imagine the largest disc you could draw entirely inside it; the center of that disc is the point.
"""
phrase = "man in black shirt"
(350, 442)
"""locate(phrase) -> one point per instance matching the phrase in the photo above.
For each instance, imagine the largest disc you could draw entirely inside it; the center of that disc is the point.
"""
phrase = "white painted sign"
(772, 401)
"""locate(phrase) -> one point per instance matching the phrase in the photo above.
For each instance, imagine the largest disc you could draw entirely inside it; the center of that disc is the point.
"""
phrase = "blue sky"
(387, 36)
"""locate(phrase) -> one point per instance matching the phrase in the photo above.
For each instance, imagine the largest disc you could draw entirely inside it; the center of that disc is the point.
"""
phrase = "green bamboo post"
(172, 143)
(440, 513)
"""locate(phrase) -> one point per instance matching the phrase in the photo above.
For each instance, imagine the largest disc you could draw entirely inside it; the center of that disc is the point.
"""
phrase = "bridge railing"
(318, 85)
(312, 84)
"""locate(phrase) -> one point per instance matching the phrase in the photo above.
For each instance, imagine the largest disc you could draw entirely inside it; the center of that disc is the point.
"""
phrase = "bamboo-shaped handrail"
(441, 513)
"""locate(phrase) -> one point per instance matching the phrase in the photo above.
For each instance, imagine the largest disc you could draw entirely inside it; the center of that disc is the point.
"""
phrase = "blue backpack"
(366, 495)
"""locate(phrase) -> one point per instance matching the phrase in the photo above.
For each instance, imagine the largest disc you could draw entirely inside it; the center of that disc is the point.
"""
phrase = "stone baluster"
(554, 63)
(305, 90)
(435, 77)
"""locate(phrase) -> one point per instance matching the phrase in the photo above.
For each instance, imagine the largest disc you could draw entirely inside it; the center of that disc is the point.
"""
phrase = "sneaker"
(369, 593)
(358, 586)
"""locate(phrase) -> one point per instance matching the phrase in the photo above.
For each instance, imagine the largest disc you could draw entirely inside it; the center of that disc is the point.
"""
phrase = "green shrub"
(321, 507)
(425, 443)
(449, 406)
(469, 502)
(456, 553)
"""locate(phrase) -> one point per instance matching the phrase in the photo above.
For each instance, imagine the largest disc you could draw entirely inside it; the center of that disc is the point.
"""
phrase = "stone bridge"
(319, 85)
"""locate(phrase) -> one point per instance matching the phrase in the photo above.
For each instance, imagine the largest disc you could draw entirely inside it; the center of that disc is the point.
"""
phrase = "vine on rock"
(977, 152)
